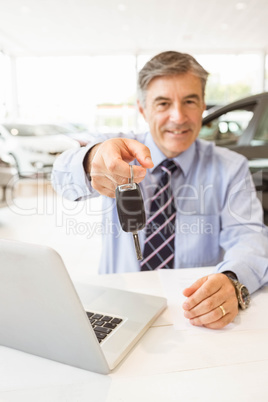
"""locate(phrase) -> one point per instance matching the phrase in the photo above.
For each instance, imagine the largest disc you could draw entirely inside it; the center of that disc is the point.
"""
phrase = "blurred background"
(69, 68)
(77, 61)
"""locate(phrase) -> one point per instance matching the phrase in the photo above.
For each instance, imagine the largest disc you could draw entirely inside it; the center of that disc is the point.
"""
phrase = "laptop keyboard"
(103, 325)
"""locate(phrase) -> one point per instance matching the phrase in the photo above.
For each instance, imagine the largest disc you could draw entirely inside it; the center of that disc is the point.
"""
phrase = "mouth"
(178, 133)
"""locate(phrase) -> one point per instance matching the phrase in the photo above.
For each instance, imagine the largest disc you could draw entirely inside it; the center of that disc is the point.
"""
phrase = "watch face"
(242, 293)
(245, 297)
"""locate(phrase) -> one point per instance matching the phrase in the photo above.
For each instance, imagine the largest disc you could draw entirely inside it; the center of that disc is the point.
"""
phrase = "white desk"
(191, 364)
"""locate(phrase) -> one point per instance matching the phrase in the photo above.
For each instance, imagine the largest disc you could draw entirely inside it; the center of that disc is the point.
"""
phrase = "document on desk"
(175, 281)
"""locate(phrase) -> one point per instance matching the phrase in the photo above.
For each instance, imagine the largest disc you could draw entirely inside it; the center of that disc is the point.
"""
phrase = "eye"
(190, 102)
(162, 106)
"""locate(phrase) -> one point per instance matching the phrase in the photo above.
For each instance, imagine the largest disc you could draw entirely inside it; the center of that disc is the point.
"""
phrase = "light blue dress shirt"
(219, 217)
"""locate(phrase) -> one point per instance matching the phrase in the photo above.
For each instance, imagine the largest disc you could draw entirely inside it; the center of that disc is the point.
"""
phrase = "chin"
(174, 150)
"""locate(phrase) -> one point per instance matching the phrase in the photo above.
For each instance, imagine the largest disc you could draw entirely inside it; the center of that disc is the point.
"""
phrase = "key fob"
(130, 207)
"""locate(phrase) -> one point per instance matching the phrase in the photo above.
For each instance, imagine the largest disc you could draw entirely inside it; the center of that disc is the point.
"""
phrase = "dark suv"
(243, 127)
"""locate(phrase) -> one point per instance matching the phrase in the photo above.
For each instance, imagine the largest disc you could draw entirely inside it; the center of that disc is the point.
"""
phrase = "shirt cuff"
(244, 273)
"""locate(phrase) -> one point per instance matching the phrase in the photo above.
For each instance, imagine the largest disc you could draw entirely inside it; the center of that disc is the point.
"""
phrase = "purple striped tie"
(160, 227)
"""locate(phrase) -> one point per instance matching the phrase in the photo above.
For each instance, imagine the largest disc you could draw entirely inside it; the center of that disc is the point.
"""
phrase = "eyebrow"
(160, 99)
(195, 96)
(164, 98)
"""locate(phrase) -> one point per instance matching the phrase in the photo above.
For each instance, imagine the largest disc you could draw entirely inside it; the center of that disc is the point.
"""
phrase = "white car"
(8, 179)
(35, 147)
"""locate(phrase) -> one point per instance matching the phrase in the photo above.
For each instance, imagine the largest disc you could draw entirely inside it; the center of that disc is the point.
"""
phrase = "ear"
(141, 110)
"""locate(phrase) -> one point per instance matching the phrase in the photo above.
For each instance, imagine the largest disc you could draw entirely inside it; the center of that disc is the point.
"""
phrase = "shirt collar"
(184, 160)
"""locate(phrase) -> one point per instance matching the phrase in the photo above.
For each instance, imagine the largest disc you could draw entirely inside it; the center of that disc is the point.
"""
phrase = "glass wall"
(232, 76)
(5, 87)
(96, 91)
(100, 91)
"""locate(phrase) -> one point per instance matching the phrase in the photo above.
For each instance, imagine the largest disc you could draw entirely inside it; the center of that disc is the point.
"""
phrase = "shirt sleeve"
(243, 235)
(68, 176)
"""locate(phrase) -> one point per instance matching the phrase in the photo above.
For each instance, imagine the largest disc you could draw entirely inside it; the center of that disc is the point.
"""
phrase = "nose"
(178, 114)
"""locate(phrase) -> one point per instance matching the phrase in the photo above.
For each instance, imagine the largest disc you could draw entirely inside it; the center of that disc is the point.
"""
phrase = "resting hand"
(108, 164)
(204, 299)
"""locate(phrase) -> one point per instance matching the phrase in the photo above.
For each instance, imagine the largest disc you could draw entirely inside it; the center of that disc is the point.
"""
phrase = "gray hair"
(167, 64)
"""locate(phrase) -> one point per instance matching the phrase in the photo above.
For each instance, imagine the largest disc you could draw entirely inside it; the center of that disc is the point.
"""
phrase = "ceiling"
(87, 27)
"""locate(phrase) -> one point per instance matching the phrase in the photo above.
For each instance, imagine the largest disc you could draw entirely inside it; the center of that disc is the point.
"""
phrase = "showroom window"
(231, 76)
(5, 86)
(99, 92)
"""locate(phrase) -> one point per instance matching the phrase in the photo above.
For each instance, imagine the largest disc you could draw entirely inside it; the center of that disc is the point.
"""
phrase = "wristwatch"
(242, 293)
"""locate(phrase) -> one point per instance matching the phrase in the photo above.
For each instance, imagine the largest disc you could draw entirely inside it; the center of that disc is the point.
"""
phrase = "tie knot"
(168, 164)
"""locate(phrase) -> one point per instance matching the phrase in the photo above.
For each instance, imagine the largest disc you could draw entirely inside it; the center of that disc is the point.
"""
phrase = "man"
(218, 216)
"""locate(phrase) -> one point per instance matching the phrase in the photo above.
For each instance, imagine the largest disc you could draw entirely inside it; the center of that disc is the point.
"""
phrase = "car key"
(130, 209)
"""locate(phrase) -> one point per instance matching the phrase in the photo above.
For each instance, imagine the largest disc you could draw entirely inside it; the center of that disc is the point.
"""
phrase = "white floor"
(40, 216)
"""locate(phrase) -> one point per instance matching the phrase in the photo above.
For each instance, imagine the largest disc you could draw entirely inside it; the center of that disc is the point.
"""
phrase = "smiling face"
(173, 110)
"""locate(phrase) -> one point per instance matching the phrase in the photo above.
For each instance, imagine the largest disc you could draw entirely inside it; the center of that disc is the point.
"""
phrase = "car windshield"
(227, 128)
(39, 130)
(261, 135)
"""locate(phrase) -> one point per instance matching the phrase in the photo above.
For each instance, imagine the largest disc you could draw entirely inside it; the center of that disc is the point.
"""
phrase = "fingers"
(192, 289)
(109, 167)
(205, 297)
(117, 153)
(104, 185)
(139, 152)
(202, 291)
(223, 320)
(215, 317)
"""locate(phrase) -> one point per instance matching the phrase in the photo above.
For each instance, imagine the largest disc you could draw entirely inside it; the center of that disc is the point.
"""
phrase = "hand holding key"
(130, 208)
(107, 164)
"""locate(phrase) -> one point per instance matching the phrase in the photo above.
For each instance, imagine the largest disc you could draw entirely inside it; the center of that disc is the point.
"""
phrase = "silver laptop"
(42, 314)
